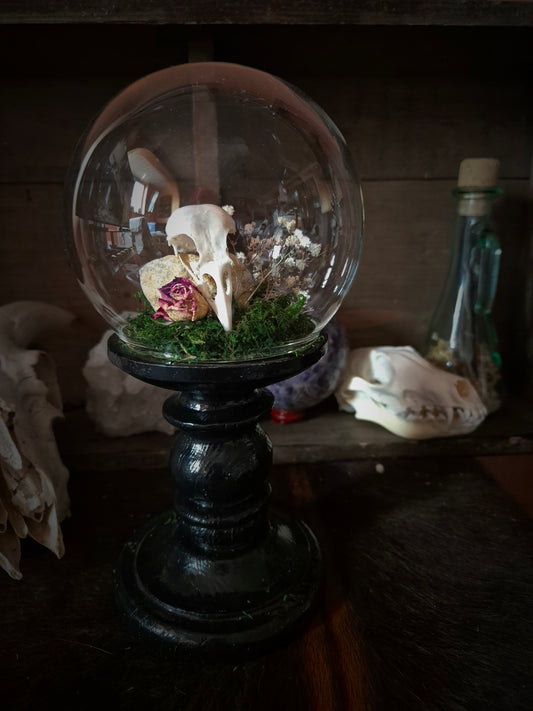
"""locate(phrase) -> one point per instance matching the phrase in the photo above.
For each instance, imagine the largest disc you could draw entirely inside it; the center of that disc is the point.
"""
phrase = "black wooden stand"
(219, 572)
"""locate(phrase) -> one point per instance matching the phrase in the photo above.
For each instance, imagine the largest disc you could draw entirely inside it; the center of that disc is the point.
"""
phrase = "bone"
(33, 480)
(207, 228)
(398, 389)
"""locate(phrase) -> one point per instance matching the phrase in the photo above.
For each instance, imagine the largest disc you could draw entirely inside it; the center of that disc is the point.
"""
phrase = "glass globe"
(213, 213)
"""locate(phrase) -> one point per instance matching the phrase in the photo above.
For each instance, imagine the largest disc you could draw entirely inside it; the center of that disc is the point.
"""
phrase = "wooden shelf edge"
(328, 436)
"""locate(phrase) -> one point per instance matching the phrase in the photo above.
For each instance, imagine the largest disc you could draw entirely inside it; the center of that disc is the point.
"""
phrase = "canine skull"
(204, 229)
(398, 389)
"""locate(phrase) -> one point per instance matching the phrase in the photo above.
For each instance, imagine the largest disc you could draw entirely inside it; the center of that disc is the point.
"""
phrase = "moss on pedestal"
(259, 328)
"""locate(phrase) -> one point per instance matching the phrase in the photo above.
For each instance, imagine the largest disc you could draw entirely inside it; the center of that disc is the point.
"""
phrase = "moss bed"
(259, 328)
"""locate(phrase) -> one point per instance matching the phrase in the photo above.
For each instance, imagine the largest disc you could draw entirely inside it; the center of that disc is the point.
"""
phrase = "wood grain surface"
(323, 436)
(425, 604)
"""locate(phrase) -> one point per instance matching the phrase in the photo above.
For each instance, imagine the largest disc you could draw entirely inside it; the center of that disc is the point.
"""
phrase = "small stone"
(155, 274)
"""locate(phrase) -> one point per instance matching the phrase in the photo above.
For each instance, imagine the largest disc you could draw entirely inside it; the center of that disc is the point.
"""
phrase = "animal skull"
(33, 480)
(205, 228)
(401, 391)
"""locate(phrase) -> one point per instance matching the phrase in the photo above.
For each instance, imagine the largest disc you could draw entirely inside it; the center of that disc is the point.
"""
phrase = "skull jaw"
(451, 424)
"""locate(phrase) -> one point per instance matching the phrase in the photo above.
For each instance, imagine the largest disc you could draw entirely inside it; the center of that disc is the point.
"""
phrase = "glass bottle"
(462, 337)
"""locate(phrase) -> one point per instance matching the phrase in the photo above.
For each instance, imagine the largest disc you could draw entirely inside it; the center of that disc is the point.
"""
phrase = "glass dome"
(213, 213)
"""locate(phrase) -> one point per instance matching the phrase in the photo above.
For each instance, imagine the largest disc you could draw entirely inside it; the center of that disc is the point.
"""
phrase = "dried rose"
(180, 300)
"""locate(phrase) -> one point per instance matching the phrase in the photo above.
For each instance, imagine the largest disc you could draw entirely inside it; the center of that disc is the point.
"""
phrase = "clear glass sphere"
(213, 213)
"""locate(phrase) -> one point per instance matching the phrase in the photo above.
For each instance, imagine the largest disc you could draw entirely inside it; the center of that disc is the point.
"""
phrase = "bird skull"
(398, 389)
(205, 228)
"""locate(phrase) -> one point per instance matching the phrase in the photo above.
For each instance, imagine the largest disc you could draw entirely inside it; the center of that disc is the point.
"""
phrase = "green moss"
(259, 328)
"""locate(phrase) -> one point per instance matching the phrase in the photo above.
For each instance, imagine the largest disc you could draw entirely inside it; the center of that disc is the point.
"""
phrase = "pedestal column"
(219, 572)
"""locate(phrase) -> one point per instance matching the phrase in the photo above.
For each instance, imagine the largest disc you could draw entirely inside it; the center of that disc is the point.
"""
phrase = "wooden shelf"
(327, 436)
(310, 12)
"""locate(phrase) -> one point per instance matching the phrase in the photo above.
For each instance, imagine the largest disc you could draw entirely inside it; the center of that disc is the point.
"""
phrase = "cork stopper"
(478, 173)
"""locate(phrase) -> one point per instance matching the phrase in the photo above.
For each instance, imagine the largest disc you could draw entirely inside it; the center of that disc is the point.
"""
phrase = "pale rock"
(158, 272)
(118, 404)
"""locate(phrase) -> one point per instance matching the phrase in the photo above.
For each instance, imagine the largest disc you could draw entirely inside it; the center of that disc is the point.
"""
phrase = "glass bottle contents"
(462, 337)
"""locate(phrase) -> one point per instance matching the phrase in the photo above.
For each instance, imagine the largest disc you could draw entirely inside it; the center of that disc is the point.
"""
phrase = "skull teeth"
(437, 413)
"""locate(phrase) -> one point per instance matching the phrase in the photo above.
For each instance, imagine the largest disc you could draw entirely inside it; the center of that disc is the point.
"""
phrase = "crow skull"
(204, 229)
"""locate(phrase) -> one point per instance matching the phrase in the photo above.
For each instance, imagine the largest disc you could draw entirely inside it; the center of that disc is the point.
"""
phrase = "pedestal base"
(240, 605)
(218, 573)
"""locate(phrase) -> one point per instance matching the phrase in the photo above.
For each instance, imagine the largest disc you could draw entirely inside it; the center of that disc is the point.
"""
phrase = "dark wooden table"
(426, 603)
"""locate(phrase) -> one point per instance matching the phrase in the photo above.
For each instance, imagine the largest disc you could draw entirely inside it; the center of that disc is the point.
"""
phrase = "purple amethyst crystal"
(313, 385)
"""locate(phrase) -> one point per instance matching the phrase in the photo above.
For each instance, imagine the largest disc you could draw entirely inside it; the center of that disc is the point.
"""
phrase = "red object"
(286, 416)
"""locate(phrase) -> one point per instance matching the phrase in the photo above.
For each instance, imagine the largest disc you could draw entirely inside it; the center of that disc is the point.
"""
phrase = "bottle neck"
(472, 202)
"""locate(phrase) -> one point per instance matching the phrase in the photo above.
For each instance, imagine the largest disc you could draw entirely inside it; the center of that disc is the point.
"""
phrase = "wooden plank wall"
(306, 12)
(411, 102)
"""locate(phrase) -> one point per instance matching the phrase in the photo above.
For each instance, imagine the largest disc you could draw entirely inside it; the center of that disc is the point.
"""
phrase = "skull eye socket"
(462, 387)
(185, 244)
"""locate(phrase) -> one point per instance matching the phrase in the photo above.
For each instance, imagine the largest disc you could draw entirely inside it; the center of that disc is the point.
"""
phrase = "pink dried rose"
(180, 300)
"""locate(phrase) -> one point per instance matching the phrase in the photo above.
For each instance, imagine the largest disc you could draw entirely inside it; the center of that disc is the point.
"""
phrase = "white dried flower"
(292, 241)
(229, 209)
(315, 249)
(305, 242)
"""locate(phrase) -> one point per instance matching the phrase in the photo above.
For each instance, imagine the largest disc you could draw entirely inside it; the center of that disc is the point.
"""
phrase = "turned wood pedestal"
(218, 572)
